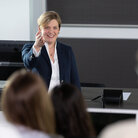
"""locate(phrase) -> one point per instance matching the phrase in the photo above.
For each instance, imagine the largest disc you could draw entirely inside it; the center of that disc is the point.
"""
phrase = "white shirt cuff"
(35, 52)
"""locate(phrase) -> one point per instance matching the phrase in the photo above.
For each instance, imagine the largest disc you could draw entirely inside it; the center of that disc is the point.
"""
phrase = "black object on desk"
(111, 96)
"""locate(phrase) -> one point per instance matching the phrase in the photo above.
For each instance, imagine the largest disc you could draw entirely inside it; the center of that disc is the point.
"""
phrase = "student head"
(25, 102)
(71, 116)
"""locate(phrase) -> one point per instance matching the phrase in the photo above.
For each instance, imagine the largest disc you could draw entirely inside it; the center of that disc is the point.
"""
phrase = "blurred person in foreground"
(54, 61)
(72, 119)
(27, 106)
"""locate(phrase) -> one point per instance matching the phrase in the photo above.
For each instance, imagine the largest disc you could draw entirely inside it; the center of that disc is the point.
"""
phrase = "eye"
(47, 27)
(55, 27)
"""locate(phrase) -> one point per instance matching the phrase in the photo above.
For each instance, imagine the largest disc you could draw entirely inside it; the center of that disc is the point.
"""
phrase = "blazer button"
(32, 56)
(61, 81)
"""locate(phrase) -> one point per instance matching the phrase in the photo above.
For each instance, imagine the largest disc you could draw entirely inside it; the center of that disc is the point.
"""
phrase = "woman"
(54, 61)
(27, 106)
(72, 120)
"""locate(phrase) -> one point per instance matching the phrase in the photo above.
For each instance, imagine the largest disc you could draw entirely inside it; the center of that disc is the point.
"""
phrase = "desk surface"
(91, 92)
(111, 113)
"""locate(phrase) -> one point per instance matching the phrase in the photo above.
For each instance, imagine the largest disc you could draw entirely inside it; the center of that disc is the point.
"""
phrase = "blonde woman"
(54, 61)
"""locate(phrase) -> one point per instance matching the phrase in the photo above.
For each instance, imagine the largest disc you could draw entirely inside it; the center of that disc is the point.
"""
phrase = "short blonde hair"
(46, 17)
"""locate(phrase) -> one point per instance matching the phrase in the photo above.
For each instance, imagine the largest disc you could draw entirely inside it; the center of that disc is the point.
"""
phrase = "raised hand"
(38, 41)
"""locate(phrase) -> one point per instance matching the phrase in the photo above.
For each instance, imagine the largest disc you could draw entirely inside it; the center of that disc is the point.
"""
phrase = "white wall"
(99, 32)
(14, 20)
(37, 7)
(18, 21)
(18, 18)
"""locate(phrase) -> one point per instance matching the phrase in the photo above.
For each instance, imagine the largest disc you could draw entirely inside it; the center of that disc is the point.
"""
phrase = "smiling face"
(50, 32)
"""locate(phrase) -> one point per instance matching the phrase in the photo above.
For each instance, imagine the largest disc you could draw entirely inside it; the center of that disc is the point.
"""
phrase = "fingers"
(39, 39)
(38, 32)
(38, 35)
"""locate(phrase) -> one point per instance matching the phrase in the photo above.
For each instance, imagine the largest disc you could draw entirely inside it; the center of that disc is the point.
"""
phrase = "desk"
(111, 113)
(90, 93)
(127, 107)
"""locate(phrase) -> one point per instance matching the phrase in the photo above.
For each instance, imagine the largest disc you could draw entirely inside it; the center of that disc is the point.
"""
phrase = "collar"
(46, 45)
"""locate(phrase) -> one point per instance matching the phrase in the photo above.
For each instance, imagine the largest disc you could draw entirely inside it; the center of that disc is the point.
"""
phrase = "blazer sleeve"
(29, 60)
(74, 72)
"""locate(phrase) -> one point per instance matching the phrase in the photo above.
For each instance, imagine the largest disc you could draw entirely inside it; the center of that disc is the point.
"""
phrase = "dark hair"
(25, 101)
(72, 118)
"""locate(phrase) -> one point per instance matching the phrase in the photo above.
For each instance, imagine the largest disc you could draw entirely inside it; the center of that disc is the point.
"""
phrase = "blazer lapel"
(45, 55)
(60, 55)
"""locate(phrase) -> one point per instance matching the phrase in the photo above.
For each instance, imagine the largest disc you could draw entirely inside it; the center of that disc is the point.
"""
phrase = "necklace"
(51, 53)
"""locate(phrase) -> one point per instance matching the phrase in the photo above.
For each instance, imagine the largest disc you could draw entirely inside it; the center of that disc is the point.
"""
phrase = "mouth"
(51, 35)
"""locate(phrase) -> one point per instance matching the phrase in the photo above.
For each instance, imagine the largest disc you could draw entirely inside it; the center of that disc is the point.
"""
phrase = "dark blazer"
(41, 64)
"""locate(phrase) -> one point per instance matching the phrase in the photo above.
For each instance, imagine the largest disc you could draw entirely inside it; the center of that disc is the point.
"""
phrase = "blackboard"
(120, 12)
(110, 62)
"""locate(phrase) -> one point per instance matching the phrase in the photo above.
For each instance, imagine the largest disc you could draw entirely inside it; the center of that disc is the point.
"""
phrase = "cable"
(96, 98)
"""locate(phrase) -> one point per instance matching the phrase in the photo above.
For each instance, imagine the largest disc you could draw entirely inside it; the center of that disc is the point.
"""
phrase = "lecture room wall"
(19, 17)
(18, 22)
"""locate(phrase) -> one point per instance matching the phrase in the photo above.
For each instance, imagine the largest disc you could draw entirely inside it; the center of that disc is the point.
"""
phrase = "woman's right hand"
(38, 41)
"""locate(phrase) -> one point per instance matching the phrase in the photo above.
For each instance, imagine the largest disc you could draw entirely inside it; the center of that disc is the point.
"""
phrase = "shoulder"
(7, 127)
(56, 136)
(66, 49)
(28, 45)
(63, 46)
(26, 132)
(123, 129)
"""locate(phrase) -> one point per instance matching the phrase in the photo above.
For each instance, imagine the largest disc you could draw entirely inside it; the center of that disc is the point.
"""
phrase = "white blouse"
(55, 77)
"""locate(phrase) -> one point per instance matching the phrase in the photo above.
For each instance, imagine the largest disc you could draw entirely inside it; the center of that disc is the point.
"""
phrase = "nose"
(50, 30)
